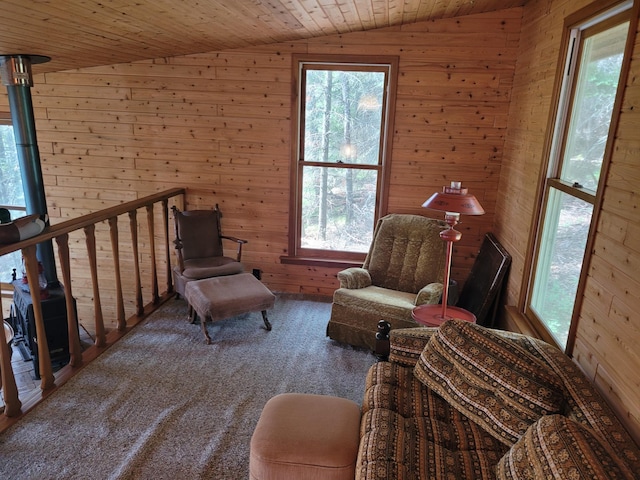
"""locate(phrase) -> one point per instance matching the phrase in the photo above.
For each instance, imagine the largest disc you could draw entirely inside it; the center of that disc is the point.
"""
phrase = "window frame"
(307, 256)
(585, 23)
(5, 119)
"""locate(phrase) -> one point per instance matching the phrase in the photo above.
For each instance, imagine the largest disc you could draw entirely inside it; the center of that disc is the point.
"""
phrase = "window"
(578, 157)
(11, 192)
(340, 164)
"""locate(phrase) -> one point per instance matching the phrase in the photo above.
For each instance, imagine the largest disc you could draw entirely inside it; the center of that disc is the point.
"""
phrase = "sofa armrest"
(429, 294)
(406, 344)
(354, 277)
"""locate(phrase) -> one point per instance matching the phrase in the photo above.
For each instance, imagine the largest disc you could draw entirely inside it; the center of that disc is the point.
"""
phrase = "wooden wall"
(219, 125)
(609, 328)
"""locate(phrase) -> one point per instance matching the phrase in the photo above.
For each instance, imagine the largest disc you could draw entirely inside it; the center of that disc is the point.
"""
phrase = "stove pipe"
(15, 71)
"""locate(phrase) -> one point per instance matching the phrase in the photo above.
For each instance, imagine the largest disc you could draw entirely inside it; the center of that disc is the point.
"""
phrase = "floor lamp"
(454, 201)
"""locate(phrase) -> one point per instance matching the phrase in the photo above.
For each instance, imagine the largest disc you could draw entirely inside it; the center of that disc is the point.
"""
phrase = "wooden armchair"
(199, 247)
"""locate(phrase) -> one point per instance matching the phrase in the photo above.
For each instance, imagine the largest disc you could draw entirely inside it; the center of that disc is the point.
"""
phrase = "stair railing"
(60, 233)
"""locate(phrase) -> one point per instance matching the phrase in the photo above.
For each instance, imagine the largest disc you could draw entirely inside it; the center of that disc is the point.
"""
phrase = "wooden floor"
(24, 374)
(24, 371)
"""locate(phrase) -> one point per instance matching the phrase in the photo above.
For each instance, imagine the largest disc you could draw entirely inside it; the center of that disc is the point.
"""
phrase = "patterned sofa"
(462, 401)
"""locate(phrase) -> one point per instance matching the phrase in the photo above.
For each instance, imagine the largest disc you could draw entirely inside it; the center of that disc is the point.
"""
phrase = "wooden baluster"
(75, 350)
(165, 219)
(133, 222)
(90, 236)
(44, 361)
(12, 403)
(120, 315)
(152, 252)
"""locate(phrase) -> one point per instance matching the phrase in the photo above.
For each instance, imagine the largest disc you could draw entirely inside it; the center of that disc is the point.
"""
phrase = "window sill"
(320, 262)
(518, 322)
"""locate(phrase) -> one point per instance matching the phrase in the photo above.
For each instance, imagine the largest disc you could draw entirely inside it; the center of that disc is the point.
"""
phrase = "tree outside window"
(340, 162)
(578, 155)
(11, 193)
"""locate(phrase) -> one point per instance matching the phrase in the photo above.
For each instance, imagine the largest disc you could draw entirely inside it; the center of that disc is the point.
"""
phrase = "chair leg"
(203, 325)
(266, 321)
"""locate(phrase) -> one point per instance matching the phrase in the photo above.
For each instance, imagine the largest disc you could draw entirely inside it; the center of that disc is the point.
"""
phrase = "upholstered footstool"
(303, 437)
(218, 298)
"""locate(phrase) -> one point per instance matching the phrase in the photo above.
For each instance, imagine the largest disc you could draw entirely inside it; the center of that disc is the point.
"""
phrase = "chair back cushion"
(493, 381)
(406, 253)
(556, 447)
(199, 232)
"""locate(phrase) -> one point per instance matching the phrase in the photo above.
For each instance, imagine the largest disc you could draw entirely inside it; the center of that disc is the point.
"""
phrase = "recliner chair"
(199, 247)
(404, 268)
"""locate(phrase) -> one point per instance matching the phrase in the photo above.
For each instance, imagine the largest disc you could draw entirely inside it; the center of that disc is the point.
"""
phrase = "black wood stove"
(54, 313)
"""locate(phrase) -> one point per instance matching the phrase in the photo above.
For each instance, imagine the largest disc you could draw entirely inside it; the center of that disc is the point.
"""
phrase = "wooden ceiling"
(84, 33)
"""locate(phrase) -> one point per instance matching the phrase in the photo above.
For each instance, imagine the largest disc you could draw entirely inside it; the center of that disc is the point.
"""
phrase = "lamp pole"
(449, 235)
(453, 201)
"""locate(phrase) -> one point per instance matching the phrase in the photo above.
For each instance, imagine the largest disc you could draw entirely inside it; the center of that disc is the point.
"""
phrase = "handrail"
(69, 226)
(60, 232)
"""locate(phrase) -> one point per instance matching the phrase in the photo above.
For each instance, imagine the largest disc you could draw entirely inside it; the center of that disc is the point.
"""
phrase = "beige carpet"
(161, 404)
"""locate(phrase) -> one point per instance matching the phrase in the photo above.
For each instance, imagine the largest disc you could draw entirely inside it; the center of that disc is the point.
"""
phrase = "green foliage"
(349, 104)
(593, 106)
(342, 128)
(559, 266)
(11, 193)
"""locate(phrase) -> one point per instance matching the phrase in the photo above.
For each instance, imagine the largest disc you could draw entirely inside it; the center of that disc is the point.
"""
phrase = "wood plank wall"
(609, 328)
(219, 125)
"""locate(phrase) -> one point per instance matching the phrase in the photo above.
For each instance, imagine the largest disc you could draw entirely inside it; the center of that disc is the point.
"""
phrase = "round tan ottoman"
(302, 436)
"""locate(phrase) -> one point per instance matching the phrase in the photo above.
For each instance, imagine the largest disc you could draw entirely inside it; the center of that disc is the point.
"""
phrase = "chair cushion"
(198, 230)
(495, 382)
(397, 447)
(409, 432)
(381, 301)
(223, 297)
(406, 253)
(199, 268)
(556, 447)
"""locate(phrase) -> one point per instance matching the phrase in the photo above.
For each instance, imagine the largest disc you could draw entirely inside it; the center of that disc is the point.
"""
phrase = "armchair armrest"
(239, 241)
(354, 277)
(234, 239)
(429, 294)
